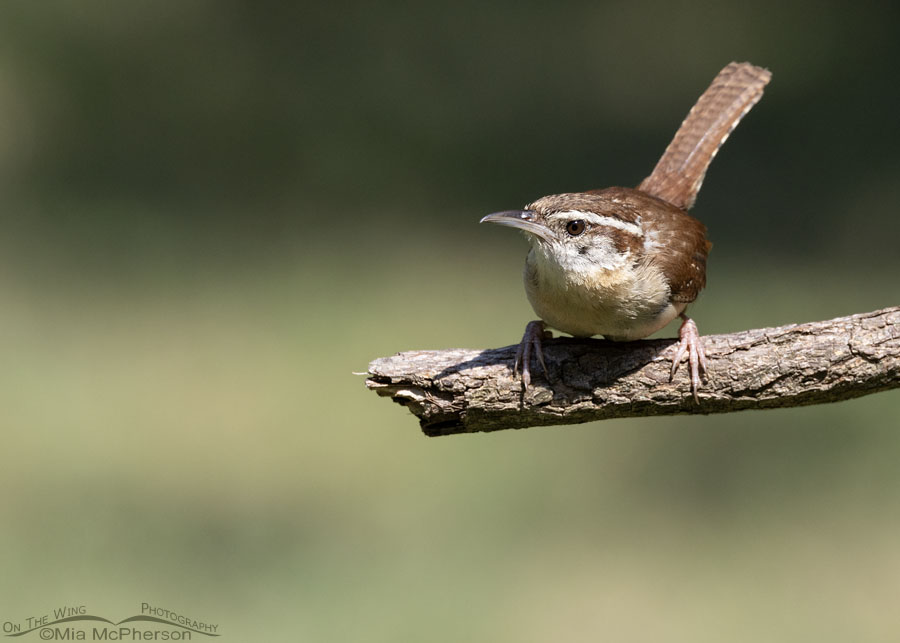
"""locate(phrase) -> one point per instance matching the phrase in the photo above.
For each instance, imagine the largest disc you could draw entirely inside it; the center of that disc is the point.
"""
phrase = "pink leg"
(693, 345)
(531, 340)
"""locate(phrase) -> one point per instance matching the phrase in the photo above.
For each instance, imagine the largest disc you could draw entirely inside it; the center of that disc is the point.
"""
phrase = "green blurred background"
(214, 212)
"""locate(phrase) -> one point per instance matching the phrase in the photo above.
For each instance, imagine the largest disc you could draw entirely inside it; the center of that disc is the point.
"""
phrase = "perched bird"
(624, 262)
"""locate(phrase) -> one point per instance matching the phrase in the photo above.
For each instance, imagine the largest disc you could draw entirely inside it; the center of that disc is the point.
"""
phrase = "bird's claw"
(692, 344)
(531, 341)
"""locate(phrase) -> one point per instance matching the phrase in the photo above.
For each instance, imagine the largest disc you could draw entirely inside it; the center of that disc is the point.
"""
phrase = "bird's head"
(580, 231)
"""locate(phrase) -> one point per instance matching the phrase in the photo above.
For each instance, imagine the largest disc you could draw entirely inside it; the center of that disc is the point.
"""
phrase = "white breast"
(609, 295)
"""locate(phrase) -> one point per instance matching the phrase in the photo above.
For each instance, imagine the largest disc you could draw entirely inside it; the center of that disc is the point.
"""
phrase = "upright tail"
(679, 174)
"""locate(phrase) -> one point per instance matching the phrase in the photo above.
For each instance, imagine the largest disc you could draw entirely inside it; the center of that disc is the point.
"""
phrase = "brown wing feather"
(674, 241)
(684, 261)
(679, 174)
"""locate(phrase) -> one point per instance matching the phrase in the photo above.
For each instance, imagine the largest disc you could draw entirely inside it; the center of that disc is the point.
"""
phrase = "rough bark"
(463, 391)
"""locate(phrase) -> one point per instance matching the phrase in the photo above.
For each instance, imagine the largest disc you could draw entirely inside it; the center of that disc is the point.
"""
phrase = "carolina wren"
(623, 262)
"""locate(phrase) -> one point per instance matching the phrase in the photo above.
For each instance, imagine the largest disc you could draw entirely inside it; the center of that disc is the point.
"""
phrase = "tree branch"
(463, 391)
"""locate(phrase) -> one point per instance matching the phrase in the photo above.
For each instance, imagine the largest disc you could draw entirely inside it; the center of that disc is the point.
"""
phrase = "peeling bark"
(464, 391)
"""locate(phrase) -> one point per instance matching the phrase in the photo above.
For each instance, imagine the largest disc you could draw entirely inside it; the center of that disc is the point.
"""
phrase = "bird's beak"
(525, 220)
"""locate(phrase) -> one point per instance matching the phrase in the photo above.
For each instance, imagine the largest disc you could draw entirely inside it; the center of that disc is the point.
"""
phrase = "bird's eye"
(576, 227)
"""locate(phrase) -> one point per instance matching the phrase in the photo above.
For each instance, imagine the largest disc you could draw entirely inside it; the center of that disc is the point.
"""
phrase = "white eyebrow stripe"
(599, 220)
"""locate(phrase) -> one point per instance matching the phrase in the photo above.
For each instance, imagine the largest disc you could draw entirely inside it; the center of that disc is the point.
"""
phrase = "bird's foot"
(535, 332)
(693, 346)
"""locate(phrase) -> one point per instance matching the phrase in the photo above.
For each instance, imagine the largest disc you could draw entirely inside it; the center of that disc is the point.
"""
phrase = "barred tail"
(679, 174)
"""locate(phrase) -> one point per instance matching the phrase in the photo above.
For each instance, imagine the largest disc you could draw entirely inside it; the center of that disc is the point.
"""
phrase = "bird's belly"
(621, 307)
